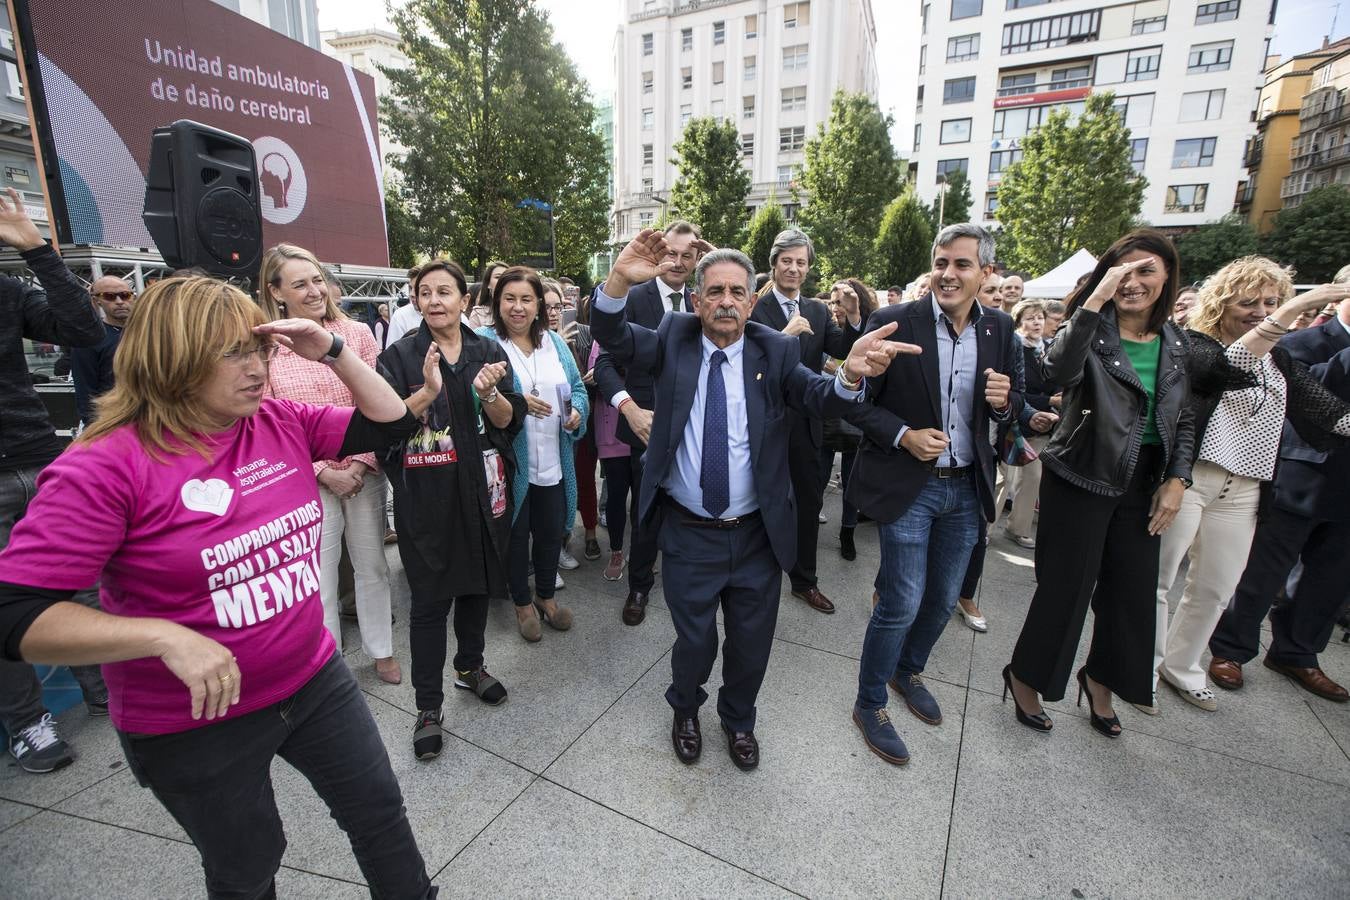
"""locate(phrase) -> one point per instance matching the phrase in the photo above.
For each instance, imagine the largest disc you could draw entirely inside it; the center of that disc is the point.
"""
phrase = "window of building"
(1136, 110)
(784, 176)
(748, 144)
(686, 113)
(1001, 159)
(965, 9)
(1186, 198)
(718, 110)
(794, 57)
(648, 154)
(794, 99)
(918, 133)
(791, 138)
(1201, 106)
(1149, 26)
(15, 90)
(648, 44)
(796, 15)
(948, 166)
(751, 69)
(1023, 4)
(1016, 123)
(1142, 65)
(1193, 153)
(686, 39)
(958, 90)
(955, 131)
(751, 27)
(686, 78)
(645, 219)
(963, 47)
(1209, 13)
(648, 81)
(648, 120)
(1214, 57)
(719, 33)
(790, 211)
(1055, 31)
(747, 107)
(647, 185)
(17, 175)
(1020, 83)
(1138, 152)
(926, 8)
(719, 72)
(991, 203)
(1071, 77)
(923, 58)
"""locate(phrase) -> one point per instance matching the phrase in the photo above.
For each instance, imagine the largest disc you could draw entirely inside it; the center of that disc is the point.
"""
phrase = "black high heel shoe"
(1037, 722)
(847, 549)
(1109, 727)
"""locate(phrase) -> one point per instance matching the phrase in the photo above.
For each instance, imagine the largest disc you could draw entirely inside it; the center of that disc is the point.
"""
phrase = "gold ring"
(226, 678)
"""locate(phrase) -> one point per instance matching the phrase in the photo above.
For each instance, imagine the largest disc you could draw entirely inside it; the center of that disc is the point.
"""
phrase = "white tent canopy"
(1059, 281)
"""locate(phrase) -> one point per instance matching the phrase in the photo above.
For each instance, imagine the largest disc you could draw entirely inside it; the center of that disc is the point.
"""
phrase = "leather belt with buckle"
(949, 471)
(693, 520)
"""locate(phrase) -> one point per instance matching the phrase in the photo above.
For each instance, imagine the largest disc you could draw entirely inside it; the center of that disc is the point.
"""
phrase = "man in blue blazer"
(713, 484)
(1308, 518)
(925, 471)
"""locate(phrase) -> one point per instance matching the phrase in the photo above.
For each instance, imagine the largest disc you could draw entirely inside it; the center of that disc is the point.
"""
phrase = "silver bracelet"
(1271, 320)
(844, 382)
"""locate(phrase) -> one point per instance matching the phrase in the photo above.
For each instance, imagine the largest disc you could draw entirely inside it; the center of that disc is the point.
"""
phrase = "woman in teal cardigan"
(544, 491)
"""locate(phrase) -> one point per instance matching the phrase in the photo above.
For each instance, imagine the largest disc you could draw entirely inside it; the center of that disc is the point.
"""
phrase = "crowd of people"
(189, 540)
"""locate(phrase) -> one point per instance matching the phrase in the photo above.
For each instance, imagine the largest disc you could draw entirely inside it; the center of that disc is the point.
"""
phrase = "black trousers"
(427, 638)
(541, 517)
(975, 568)
(704, 570)
(808, 488)
(1301, 625)
(621, 500)
(642, 555)
(1090, 547)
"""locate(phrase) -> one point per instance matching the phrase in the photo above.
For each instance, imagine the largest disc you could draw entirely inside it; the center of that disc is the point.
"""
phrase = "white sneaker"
(822, 518)
(558, 582)
(567, 560)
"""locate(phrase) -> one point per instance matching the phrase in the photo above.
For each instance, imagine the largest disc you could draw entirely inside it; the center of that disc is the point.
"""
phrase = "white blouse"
(540, 374)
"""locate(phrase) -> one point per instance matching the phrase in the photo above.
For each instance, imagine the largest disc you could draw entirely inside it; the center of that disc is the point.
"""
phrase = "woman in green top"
(1114, 475)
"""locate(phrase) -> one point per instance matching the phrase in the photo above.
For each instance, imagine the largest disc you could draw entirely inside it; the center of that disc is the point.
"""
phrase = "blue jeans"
(924, 555)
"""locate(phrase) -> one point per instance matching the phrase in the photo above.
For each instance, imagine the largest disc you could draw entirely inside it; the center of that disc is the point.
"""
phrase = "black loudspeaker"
(201, 200)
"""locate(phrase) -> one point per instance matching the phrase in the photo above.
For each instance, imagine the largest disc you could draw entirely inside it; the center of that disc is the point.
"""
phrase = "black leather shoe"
(847, 549)
(635, 608)
(687, 738)
(743, 747)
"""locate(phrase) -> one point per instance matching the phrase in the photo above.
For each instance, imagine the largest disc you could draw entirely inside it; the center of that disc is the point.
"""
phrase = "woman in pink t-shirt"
(352, 489)
(193, 499)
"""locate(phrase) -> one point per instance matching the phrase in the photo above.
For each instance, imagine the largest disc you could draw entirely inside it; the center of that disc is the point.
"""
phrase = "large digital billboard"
(109, 73)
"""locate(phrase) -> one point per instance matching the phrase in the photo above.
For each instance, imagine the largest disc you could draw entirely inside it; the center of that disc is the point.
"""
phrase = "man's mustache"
(726, 312)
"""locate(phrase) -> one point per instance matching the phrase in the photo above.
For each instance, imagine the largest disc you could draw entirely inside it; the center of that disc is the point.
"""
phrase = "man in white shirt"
(405, 318)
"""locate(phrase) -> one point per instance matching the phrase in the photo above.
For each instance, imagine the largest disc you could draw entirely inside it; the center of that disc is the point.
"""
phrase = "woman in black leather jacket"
(1114, 475)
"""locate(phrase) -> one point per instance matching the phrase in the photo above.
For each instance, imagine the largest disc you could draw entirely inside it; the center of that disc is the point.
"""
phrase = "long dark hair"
(530, 277)
(865, 305)
(1150, 241)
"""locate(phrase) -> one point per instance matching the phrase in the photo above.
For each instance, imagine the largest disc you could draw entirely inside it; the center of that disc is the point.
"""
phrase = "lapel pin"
(759, 376)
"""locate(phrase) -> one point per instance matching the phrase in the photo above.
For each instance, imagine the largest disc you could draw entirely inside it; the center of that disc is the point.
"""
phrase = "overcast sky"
(1299, 26)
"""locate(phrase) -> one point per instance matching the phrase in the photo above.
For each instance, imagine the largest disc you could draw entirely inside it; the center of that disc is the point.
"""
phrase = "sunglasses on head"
(114, 295)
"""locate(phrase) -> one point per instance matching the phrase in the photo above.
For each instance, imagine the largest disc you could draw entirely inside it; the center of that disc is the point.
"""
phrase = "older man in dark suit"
(786, 309)
(716, 464)
(1308, 519)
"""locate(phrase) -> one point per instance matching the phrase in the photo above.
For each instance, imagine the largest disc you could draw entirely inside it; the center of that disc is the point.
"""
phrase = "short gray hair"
(791, 239)
(952, 233)
(724, 255)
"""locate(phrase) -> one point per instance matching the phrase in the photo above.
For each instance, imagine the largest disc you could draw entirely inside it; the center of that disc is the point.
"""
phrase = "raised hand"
(797, 325)
(431, 371)
(872, 353)
(304, 337)
(16, 228)
(1319, 297)
(488, 377)
(1106, 288)
(642, 259)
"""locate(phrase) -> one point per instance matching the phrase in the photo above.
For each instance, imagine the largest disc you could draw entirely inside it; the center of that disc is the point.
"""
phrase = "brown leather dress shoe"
(635, 608)
(815, 599)
(1225, 673)
(743, 747)
(687, 738)
(1312, 679)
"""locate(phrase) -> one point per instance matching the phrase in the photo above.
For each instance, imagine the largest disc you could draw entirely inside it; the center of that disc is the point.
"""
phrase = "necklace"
(534, 366)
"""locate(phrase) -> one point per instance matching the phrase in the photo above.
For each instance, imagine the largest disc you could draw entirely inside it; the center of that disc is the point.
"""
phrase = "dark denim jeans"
(923, 558)
(216, 782)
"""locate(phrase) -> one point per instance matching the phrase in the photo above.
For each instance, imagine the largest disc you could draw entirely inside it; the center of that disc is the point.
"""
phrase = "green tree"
(404, 247)
(1213, 245)
(1313, 236)
(904, 244)
(851, 173)
(765, 225)
(493, 113)
(1074, 187)
(712, 183)
(955, 207)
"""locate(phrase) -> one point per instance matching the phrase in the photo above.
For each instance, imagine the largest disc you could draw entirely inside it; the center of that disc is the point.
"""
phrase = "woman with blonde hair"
(192, 499)
(352, 489)
(1243, 387)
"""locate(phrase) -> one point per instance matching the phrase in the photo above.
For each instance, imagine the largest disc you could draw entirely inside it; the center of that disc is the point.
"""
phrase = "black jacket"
(646, 308)
(1096, 444)
(1310, 480)
(59, 312)
(91, 368)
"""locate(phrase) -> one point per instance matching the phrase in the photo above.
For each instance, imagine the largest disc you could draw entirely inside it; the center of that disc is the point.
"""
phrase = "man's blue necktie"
(716, 475)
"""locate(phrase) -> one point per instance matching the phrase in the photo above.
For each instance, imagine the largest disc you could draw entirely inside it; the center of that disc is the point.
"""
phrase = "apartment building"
(1320, 154)
(769, 66)
(1185, 74)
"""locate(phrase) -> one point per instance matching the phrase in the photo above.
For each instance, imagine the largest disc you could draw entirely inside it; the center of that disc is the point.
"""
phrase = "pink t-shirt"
(228, 548)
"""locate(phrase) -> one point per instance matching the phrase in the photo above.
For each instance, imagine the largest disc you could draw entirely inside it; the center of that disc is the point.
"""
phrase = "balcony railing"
(1312, 159)
(1062, 85)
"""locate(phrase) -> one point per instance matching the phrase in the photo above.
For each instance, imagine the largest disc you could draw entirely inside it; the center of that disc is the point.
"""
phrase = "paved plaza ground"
(571, 789)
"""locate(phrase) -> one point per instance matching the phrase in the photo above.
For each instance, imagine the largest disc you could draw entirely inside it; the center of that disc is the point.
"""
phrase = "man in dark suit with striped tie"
(716, 466)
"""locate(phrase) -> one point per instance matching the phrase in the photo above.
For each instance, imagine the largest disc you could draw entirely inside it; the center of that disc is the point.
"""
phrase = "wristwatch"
(1186, 482)
(490, 398)
(333, 351)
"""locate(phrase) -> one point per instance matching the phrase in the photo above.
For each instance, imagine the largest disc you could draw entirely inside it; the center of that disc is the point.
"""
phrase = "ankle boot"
(846, 547)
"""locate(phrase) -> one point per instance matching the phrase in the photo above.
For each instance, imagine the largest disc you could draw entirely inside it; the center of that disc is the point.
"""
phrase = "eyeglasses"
(114, 295)
(553, 307)
(239, 356)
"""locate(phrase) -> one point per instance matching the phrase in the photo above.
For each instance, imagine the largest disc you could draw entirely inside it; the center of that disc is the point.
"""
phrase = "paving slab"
(1076, 813)
(12, 814)
(590, 851)
(98, 755)
(808, 817)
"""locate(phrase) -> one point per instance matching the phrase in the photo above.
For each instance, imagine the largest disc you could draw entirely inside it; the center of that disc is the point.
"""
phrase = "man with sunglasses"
(91, 368)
